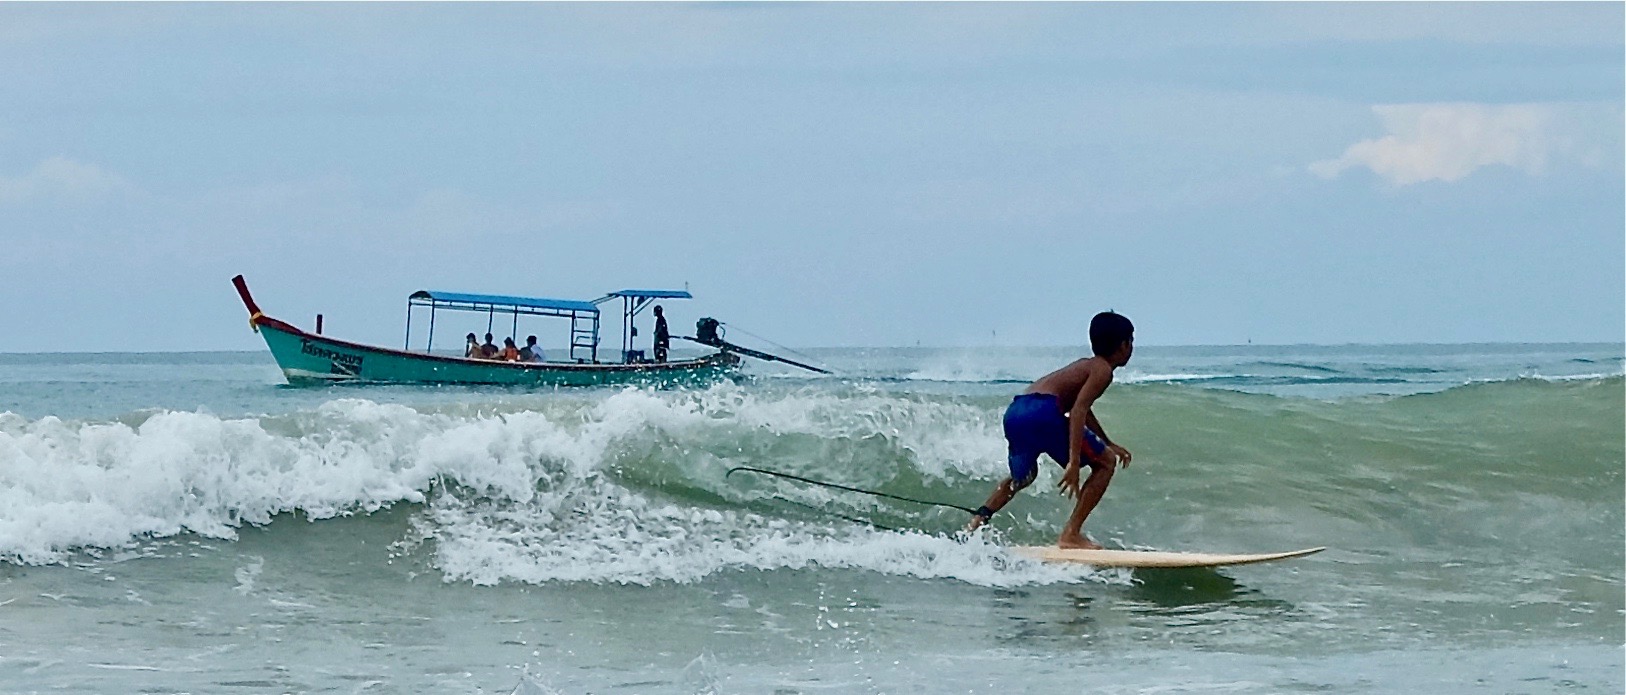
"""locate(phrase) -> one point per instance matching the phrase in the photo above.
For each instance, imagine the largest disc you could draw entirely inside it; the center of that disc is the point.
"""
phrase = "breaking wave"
(631, 486)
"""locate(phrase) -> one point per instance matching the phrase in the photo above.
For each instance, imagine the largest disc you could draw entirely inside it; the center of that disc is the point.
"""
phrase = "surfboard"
(1150, 558)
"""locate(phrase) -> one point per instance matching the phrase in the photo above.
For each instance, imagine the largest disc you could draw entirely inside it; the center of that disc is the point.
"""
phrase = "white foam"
(248, 574)
(1137, 378)
(70, 485)
(616, 536)
(541, 494)
(1598, 376)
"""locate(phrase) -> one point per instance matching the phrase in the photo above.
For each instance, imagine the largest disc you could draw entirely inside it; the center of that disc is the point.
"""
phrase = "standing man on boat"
(663, 339)
(1054, 417)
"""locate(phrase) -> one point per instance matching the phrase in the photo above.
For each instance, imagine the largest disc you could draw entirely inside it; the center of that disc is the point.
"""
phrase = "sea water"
(186, 523)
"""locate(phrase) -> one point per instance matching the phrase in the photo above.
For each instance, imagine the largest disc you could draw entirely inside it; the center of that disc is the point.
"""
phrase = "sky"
(846, 174)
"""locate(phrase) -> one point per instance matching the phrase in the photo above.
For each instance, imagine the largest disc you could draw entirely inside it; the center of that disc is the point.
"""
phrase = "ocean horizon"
(993, 346)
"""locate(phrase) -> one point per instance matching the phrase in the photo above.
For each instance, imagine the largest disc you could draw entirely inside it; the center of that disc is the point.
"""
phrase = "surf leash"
(875, 493)
(854, 519)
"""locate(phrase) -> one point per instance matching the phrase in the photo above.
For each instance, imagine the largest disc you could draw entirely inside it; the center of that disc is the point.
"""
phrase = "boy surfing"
(1053, 417)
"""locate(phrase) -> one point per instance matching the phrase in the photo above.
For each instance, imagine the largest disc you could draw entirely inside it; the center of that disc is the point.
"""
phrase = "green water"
(269, 539)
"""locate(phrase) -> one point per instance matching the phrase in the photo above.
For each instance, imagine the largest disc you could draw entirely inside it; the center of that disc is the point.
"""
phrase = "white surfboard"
(1150, 558)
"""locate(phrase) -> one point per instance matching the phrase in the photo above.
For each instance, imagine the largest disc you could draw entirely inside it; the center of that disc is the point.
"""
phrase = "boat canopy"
(484, 302)
(584, 316)
(584, 323)
(647, 294)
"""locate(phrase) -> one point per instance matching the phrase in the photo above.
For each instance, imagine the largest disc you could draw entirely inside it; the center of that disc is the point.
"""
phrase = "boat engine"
(707, 331)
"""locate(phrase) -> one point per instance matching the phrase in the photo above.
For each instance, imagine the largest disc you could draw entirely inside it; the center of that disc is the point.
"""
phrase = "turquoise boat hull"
(308, 358)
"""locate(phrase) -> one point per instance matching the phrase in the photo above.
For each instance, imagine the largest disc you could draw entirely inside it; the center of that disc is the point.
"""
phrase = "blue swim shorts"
(1034, 424)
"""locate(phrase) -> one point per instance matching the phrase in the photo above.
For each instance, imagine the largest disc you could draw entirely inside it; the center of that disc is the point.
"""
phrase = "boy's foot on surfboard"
(1078, 542)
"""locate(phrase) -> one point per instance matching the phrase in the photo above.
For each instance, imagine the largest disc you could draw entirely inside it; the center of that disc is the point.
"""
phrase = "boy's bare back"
(1066, 383)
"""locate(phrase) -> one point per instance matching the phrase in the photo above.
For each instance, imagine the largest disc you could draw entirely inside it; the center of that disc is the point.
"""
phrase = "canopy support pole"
(430, 348)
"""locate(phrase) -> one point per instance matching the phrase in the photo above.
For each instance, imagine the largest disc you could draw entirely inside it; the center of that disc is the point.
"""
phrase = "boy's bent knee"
(1102, 467)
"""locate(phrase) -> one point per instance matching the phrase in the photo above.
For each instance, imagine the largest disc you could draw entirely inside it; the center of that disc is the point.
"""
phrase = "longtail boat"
(313, 358)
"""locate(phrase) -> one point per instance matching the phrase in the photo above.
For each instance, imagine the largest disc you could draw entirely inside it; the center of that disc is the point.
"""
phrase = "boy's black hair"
(1109, 330)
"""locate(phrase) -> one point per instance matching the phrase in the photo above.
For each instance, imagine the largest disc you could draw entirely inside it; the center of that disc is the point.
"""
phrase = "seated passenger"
(509, 352)
(489, 348)
(472, 350)
(531, 352)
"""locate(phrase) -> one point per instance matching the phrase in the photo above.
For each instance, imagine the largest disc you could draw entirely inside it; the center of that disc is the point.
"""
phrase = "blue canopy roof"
(651, 294)
(500, 300)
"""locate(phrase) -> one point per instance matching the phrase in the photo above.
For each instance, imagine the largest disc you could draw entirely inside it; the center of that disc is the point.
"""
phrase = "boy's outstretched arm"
(1094, 385)
(1123, 454)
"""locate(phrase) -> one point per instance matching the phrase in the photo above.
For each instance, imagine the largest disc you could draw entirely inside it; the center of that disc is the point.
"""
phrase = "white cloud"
(1447, 142)
(60, 178)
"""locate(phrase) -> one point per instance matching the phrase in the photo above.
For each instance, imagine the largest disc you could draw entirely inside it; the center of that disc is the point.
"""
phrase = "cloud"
(1447, 142)
(60, 178)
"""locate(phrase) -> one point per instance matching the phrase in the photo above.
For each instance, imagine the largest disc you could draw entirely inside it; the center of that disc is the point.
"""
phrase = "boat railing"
(584, 316)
